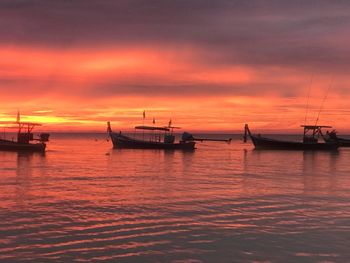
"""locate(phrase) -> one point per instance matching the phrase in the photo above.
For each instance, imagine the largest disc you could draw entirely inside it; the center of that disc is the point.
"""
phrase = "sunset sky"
(207, 65)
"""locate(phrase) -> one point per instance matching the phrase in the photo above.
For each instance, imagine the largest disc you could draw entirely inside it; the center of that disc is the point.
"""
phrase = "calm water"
(84, 202)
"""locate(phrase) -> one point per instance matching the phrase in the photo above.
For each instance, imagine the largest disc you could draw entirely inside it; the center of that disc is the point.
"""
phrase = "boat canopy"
(152, 128)
(311, 127)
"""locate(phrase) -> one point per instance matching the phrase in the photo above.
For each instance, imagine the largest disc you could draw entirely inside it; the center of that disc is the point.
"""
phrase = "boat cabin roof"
(312, 127)
(152, 128)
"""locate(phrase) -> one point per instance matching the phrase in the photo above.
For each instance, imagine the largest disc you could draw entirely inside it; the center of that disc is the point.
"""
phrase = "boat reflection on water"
(319, 172)
(314, 173)
(29, 167)
(156, 160)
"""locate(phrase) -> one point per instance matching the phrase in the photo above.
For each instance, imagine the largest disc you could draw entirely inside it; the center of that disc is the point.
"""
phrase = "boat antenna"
(324, 99)
(308, 98)
(143, 123)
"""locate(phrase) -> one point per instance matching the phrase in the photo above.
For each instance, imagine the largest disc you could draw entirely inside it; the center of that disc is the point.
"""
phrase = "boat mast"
(308, 98)
(143, 124)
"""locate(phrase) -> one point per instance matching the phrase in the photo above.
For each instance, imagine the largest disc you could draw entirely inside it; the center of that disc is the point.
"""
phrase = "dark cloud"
(202, 22)
(306, 35)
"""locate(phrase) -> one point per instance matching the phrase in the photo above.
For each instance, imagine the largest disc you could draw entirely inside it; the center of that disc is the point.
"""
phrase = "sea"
(83, 201)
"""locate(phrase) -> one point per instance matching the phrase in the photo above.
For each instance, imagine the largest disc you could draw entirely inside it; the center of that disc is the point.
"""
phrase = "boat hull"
(262, 143)
(344, 142)
(21, 147)
(121, 141)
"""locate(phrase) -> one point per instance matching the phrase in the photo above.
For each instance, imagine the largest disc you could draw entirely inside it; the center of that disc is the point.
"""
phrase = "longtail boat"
(25, 137)
(333, 137)
(157, 141)
(311, 136)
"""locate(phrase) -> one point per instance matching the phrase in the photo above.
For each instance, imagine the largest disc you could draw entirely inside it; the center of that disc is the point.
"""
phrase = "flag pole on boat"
(18, 119)
(153, 122)
(143, 123)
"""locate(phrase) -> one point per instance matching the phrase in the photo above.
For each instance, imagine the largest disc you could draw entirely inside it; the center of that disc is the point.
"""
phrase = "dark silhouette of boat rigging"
(333, 137)
(189, 137)
(311, 136)
(25, 137)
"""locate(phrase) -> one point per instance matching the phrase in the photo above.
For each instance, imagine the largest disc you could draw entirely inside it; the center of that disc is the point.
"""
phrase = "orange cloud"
(81, 89)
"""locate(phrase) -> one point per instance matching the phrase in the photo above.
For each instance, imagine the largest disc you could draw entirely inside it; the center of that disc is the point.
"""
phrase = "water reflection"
(26, 168)
(84, 201)
(314, 162)
(320, 172)
(311, 171)
(187, 159)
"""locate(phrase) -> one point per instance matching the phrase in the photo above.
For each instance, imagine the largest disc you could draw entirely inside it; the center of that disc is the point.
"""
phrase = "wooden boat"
(120, 140)
(24, 138)
(333, 137)
(310, 141)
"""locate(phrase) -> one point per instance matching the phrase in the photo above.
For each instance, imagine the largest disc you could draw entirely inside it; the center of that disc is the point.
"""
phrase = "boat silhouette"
(25, 137)
(162, 139)
(311, 136)
(333, 137)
